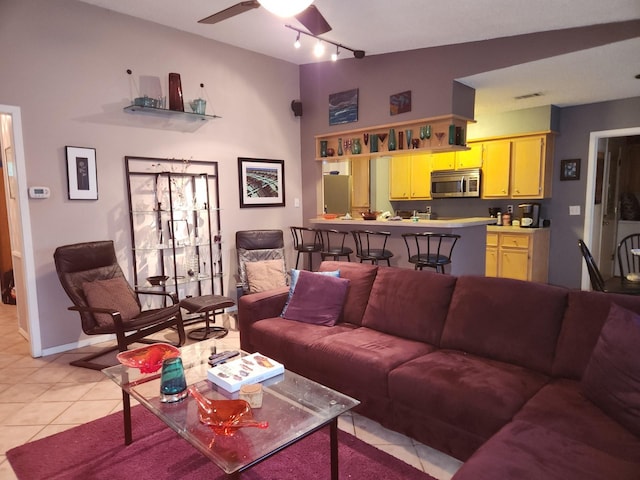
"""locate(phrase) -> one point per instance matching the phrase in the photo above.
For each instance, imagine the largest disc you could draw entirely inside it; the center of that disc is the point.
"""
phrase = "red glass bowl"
(149, 358)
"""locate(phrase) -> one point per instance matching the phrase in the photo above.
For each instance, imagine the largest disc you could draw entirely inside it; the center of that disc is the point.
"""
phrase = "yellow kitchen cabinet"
(531, 167)
(496, 169)
(443, 161)
(360, 181)
(471, 158)
(410, 177)
(519, 253)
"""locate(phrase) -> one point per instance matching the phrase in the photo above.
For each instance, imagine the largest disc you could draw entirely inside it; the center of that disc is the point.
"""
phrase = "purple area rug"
(96, 451)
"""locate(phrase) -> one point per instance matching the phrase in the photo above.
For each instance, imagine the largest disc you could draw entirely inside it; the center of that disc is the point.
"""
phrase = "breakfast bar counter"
(469, 254)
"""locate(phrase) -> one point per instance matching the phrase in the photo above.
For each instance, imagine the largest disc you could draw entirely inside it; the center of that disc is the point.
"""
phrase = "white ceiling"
(382, 26)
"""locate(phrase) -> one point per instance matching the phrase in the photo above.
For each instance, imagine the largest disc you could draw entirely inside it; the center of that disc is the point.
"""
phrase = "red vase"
(175, 93)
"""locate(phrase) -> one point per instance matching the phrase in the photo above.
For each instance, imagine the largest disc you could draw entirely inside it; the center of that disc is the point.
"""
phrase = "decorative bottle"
(391, 144)
(356, 146)
(340, 151)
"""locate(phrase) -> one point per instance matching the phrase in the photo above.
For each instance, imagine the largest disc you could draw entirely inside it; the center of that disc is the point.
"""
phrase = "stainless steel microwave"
(455, 183)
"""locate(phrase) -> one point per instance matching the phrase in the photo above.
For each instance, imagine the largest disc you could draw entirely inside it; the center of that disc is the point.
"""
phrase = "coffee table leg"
(333, 434)
(126, 411)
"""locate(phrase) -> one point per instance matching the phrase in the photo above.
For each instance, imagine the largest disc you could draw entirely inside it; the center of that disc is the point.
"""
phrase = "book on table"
(252, 368)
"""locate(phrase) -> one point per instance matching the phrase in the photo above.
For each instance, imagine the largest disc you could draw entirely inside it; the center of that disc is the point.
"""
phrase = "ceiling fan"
(310, 17)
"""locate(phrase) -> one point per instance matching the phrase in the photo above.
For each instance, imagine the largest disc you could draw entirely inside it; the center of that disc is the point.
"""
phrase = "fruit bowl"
(148, 359)
(330, 216)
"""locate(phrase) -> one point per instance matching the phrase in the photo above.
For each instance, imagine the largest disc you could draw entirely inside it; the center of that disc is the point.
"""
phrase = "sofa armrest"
(258, 306)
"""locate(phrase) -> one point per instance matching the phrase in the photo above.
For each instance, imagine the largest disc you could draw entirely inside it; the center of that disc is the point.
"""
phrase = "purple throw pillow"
(612, 377)
(317, 299)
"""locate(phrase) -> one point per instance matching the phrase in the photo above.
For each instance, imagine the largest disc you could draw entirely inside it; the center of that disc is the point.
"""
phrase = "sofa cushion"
(612, 377)
(409, 303)
(583, 320)
(526, 451)
(561, 407)
(265, 275)
(293, 281)
(113, 293)
(508, 320)
(317, 299)
(362, 358)
(474, 394)
(361, 277)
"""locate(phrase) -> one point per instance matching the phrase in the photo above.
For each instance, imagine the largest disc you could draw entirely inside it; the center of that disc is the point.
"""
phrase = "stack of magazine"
(252, 368)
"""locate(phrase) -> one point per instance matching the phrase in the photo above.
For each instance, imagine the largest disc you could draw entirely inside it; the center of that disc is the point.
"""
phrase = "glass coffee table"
(294, 406)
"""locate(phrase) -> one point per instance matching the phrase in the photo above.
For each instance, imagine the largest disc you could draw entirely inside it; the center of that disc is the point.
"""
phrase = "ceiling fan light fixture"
(285, 8)
(318, 50)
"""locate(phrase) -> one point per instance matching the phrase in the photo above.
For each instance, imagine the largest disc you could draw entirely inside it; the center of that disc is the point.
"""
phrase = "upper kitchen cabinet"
(471, 158)
(410, 177)
(532, 166)
(518, 167)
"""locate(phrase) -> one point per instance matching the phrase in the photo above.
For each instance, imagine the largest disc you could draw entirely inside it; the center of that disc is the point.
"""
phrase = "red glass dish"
(148, 359)
(225, 417)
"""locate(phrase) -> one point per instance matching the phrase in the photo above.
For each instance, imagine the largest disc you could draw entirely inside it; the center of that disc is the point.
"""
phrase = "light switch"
(296, 202)
(574, 209)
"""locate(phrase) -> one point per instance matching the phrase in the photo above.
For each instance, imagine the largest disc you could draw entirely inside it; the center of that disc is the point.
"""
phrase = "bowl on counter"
(329, 216)
(369, 215)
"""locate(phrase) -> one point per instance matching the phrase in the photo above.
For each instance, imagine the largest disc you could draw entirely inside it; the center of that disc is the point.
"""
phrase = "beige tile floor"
(43, 396)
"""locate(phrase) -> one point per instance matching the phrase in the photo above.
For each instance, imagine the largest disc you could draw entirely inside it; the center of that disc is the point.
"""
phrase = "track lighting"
(334, 56)
(318, 49)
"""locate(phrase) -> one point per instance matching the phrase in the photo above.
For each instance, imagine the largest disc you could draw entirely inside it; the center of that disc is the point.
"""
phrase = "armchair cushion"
(317, 299)
(612, 377)
(114, 293)
(265, 275)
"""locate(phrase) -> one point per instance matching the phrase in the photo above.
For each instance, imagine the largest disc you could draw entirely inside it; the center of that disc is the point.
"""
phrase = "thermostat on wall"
(39, 192)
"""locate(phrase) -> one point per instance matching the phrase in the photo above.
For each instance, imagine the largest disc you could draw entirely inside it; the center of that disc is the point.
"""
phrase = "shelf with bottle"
(165, 112)
(428, 135)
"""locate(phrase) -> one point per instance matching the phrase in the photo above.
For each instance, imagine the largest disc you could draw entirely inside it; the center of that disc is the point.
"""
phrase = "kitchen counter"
(469, 254)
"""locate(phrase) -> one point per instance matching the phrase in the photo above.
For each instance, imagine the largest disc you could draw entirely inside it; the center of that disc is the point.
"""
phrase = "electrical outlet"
(574, 209)
(428, 210)
(509, 208)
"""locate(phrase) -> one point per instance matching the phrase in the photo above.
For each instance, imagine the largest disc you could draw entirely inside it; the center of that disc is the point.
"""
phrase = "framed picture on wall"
(343, 107)
(570, 169)
(81, 173)
(261, 182)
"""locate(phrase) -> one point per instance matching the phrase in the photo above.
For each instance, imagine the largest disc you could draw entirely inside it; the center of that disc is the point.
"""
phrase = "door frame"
(588, 233)
(24, 237)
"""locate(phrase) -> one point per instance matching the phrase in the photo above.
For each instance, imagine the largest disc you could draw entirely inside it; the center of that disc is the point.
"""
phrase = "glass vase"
(391, 143)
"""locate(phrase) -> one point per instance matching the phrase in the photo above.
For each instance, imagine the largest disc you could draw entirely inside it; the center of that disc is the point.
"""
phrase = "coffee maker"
(529, 215)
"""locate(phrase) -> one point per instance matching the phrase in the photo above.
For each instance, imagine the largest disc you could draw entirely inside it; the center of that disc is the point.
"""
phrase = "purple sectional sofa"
(488, 370)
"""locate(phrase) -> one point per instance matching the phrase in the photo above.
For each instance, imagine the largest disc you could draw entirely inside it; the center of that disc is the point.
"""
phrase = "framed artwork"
(400, 103)
(343, 107)
(261, 182)
(81, 173)
(570, 169)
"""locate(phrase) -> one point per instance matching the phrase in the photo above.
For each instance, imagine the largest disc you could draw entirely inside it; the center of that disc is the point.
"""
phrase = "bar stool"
(431, 250)
(372, 246)
(207, 304)
(333, 245)
(306, 241)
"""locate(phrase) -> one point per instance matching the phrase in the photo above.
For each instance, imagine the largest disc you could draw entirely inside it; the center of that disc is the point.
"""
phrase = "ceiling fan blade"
(313, 20)
(232, 11)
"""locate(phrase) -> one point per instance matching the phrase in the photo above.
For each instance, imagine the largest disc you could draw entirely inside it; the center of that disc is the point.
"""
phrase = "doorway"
(604, 186)
(22, 258)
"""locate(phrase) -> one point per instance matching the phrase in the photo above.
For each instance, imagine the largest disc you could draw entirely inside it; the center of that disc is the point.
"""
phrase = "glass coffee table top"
(293, 405)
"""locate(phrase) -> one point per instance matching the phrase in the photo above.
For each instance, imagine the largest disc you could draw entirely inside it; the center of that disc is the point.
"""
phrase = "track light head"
(318, 50)
(334, 56)
(296, 44)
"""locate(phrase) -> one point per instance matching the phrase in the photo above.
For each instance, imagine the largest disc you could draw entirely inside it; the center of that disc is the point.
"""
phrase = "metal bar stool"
(306, 241)
(333, 245)
(431, 250)
(372, 246)
(208, 305)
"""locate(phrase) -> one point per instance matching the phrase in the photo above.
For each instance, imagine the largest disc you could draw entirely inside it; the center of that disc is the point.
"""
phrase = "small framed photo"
(570, 169)
(261, 182)
(400, 103)
(81, 173)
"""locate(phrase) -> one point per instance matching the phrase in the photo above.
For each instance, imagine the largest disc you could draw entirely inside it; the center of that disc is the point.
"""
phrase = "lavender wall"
(64, 63)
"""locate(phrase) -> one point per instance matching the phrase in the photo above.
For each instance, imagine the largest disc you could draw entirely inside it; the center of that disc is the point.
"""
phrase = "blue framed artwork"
(400, 103)
(343, 107)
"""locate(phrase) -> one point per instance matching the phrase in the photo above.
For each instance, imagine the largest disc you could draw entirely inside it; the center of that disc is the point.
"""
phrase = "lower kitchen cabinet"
(519, 253)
